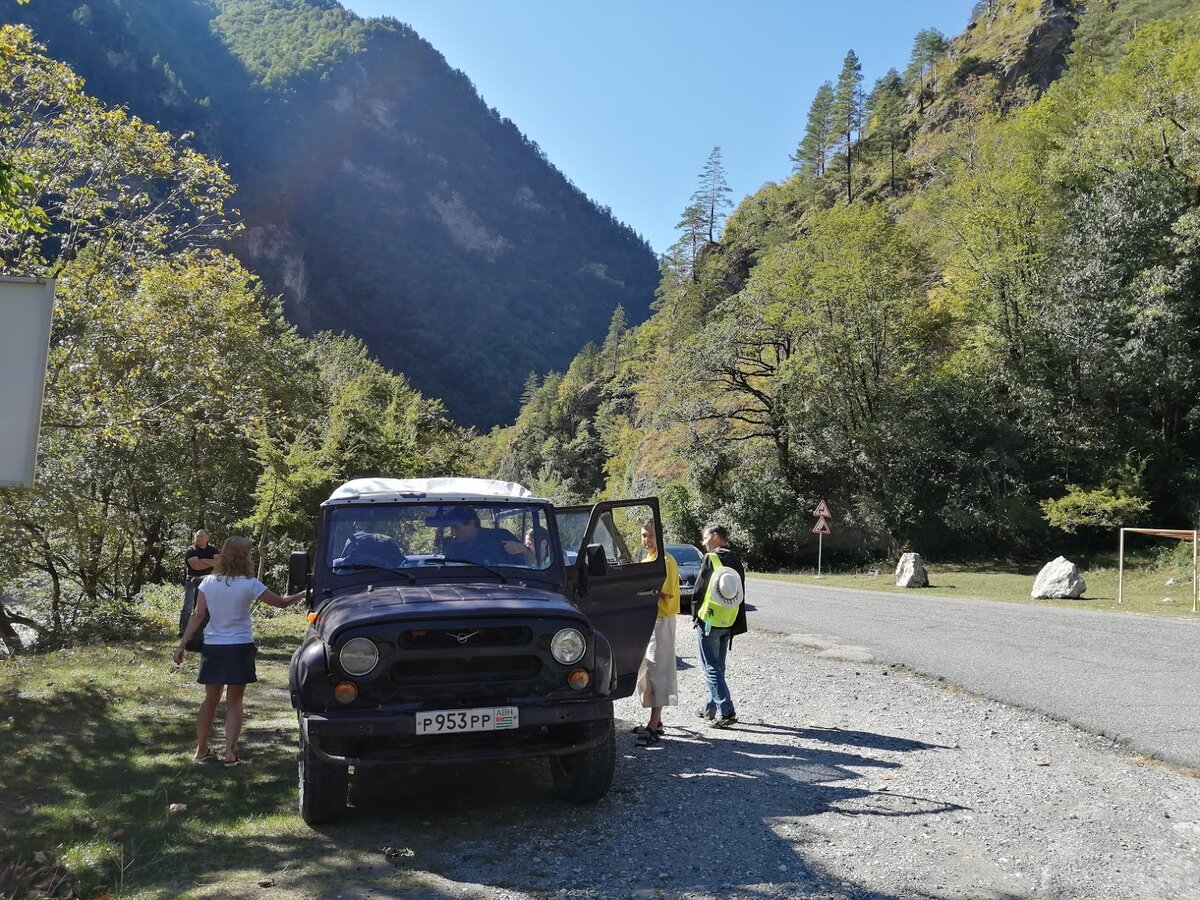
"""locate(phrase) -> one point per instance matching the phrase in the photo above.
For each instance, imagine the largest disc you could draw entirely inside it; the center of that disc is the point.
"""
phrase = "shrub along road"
(1125, 676)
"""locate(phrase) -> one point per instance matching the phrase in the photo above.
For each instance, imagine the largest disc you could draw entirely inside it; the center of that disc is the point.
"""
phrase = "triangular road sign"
(822, 526)
(822, 510)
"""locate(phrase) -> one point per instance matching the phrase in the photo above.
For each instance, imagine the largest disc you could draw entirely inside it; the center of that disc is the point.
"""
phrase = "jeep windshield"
(411, 535)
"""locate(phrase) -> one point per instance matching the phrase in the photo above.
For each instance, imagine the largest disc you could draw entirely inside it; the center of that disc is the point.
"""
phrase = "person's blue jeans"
(189, 604)
(714, 646)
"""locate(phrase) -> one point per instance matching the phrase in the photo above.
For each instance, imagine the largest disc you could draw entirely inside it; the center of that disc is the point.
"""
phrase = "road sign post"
(26, 308)
(821, 529)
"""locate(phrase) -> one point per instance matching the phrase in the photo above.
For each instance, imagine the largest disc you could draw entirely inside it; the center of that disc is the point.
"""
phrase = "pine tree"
(610, 352)
(885, 117)
(529, 391)
(691, 227)
(813, 151)
(848, 111)
(928, 47)
(712, 195)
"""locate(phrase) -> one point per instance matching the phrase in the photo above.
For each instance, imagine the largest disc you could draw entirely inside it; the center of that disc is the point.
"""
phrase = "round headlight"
(358, 656)
(568, 646)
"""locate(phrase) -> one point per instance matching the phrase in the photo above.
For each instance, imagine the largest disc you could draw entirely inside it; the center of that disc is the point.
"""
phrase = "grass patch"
(1145, 583)
(97, 744)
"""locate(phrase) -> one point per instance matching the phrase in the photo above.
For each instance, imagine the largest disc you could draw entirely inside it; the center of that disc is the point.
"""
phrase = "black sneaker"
(724, 721)
(703, 713)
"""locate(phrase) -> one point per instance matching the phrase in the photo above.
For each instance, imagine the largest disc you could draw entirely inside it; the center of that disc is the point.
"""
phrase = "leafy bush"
(1100, 508)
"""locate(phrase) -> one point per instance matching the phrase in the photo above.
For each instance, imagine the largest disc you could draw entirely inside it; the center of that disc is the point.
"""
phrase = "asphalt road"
(1130, 677)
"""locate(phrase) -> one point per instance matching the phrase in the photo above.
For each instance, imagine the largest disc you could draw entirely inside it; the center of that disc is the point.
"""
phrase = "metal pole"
(1121, 565)
(1195, 535)
(820, 541)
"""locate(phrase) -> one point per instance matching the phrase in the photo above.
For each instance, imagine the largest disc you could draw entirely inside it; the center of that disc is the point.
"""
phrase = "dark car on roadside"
(689, 560)
(446, 627)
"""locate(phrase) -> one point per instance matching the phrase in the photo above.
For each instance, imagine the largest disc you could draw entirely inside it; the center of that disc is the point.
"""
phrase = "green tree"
(848, 112)
(813, 153)
(885, 119)
(928, 47)
(618, 328)
(173, 381)
(712, 197)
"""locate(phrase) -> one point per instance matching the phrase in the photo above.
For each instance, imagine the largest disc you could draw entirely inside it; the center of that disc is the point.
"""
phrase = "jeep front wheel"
(322, 787)
(586, 776)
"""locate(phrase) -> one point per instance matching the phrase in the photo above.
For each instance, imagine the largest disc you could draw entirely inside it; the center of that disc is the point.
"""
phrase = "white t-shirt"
(229, 608)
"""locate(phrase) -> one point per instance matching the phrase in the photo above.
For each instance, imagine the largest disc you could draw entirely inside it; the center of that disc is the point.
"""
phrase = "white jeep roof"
(390, 490)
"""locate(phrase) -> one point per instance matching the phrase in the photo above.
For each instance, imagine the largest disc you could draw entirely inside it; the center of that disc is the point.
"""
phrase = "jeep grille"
(489, 662)
(438, 639)
(471, 670)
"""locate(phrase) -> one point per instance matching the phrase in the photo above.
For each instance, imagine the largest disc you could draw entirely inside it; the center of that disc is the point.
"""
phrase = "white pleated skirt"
(657, 682)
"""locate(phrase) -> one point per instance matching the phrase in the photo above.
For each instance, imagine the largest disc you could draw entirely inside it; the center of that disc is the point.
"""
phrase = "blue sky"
(628, 97)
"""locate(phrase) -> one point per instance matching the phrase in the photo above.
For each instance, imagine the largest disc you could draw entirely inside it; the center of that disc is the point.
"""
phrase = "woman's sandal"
(647, 739)
(230, 763)
(209, 757)
(642, 729)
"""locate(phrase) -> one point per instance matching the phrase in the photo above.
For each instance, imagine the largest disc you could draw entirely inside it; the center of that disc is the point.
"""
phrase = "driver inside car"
(470, 541)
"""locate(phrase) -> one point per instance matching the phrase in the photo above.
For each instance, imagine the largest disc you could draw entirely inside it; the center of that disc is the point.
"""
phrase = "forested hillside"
(381, 196)
(969, 318)
(177, 395)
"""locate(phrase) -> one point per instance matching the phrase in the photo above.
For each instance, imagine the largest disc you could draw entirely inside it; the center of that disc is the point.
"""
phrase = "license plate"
(485, 718)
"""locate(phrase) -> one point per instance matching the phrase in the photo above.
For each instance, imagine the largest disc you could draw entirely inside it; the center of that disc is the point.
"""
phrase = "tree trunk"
(849, 171)
(8, 634)
(146, 559)
(263, 536)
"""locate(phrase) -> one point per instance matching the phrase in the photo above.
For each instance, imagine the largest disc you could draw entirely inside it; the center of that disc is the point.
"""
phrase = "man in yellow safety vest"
(718, 614)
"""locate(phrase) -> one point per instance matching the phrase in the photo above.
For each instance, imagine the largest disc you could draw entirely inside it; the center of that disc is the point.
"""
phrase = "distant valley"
(381, 196)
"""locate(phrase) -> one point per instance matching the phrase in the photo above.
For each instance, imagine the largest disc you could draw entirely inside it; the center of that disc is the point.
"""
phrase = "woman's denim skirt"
(227, 664)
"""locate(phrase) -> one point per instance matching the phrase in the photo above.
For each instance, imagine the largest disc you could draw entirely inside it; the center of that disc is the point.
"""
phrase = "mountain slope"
(989, 345)
(382, 197)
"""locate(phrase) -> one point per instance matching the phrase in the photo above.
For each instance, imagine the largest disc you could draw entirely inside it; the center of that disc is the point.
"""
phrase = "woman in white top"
(227, 659)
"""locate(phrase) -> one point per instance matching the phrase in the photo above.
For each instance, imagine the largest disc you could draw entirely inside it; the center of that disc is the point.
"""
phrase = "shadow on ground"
(86, 767)
(661, 830)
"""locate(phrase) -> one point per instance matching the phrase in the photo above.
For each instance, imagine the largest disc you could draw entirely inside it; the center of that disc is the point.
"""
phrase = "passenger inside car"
(537, 540)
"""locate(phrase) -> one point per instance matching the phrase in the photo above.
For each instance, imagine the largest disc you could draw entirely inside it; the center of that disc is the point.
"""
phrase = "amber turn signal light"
(312, 617)
(578, 679)
(345, 692)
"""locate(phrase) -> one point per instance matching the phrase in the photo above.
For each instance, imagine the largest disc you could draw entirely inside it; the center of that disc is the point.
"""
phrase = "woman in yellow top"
(657, 684)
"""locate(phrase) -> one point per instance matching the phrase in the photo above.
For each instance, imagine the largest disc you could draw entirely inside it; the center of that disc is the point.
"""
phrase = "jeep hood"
(397, 603)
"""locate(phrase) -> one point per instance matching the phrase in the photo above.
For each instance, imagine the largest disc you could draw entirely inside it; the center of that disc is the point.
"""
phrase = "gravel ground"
(843, 779)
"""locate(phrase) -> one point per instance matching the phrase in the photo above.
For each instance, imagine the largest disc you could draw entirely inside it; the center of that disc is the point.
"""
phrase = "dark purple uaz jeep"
(460, 620)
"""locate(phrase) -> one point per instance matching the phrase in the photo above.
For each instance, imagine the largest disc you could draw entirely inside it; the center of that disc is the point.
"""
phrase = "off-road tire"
(586, 776)
(322, 787)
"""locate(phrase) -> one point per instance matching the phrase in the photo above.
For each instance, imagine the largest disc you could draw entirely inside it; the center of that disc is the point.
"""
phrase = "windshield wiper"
(470, 562)
(365, 567)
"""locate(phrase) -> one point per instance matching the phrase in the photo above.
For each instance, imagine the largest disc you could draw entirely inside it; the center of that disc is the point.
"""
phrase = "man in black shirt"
(469, 540)
(199, 561)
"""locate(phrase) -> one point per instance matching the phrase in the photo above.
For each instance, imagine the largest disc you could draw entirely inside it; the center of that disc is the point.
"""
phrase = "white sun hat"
(727, 588)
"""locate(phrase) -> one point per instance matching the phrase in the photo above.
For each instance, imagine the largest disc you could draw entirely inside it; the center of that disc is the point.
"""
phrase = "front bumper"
(389, 737)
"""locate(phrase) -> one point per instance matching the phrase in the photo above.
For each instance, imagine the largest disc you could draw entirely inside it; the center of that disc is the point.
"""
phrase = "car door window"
(619, 531)
(572, 523)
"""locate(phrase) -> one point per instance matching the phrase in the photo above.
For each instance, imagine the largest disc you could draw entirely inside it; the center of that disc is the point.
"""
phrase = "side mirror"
(597, 560)
(297, 572)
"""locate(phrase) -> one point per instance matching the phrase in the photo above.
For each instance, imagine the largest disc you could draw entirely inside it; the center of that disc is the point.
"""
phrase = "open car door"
(623, 602)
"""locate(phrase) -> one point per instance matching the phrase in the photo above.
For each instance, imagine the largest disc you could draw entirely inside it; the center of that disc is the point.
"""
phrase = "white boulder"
(910, 572)
(1059, 579)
